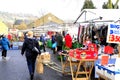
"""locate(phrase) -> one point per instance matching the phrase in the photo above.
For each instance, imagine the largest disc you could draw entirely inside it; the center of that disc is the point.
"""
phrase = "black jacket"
(59, 40)
(28, 46)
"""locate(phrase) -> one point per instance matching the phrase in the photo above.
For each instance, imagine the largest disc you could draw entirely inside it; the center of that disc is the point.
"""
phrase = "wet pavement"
(15, 68)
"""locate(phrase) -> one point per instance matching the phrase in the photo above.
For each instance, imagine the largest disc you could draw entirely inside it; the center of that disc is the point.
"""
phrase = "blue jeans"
(31, 65)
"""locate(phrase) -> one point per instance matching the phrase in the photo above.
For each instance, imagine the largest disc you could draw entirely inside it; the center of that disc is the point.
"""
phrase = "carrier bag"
(39, 65)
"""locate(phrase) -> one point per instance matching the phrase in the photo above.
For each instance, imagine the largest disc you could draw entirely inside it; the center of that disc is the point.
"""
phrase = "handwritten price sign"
(113, 38)
(113, 35)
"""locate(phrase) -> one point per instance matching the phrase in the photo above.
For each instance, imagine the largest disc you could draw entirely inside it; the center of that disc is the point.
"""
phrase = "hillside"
(10, 18)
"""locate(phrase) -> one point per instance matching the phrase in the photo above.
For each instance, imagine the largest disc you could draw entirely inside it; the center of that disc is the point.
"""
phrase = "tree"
(88, 4)
(22, 26)
(104, 6)
(116, 6)
(110, 5)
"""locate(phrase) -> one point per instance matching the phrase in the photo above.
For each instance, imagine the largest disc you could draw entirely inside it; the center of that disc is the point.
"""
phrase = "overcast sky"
(64, 9)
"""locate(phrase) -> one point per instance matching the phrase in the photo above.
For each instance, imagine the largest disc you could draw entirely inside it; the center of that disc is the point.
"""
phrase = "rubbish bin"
(49, 43)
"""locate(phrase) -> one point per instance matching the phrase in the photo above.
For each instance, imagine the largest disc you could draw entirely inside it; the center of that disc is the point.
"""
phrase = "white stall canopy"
(98, 15)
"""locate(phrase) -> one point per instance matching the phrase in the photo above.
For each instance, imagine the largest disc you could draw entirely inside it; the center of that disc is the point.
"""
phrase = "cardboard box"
(45, 57)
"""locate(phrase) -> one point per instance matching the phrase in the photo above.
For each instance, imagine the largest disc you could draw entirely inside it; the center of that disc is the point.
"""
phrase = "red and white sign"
(113, 35)
(90, 53)
(14, 31)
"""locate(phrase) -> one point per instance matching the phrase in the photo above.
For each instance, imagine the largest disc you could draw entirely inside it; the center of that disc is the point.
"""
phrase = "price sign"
(113, 35)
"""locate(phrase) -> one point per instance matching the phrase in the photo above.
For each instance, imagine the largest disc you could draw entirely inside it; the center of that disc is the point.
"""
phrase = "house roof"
(18, 22)
(45, 20)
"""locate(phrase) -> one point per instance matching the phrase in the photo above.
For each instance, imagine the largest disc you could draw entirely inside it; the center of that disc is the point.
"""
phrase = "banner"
(113, 34)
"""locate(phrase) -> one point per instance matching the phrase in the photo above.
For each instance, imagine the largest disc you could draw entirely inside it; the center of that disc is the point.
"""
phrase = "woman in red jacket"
(68, 41)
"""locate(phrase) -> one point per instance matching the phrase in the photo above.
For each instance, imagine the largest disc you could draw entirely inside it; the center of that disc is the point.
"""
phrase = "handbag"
(35, 49)
(54, 45)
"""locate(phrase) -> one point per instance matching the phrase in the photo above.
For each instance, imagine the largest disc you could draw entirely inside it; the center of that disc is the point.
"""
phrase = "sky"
(64, 9)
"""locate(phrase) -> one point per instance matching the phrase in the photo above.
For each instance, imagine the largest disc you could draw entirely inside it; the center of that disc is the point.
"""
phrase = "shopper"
(86, 41)
(5, 46)
(43, 40)
(27, 47)
(53, 38)
(68, 41)
(59, 40)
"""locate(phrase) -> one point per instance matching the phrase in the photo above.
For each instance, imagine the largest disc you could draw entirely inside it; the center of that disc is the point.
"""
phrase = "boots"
(31, 77)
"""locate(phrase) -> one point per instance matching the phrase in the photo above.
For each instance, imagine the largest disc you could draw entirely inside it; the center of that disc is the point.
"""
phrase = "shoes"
(31, 77)
(4, 58)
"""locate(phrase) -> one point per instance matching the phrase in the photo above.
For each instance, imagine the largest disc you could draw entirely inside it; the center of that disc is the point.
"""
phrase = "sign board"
(113, 34)
(14, 31)
(90, 53)
(104, 60)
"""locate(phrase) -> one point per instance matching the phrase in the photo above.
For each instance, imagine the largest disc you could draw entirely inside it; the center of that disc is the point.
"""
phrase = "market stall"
(81, 62)
(108, 71)
(104, 31)
(108, 67)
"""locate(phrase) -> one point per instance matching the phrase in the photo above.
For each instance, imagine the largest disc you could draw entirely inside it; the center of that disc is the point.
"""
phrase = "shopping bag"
(54, 45)
(39, 65)
(40, 43)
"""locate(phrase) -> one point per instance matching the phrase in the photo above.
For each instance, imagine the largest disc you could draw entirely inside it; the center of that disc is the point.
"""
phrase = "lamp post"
(33, 30)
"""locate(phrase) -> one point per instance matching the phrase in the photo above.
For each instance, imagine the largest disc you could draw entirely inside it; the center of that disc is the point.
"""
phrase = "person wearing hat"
(31, 56)
(5, 46)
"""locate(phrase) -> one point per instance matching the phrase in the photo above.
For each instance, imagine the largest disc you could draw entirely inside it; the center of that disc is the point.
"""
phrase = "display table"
(80, 63)
(74, 62)
(86, 71)
(66, 64)
(107, 72)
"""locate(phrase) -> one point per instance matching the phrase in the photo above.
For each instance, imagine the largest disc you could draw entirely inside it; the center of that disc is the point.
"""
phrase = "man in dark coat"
(59, 40)
(27, 47)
